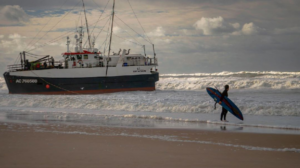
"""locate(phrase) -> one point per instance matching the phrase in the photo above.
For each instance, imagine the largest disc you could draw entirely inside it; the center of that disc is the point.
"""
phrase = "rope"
(139, 23)
(127, 33)
(133, 30)
(79, 18)
(100, 15)
(106, 36)
(35, 54)
(57, 23)
(123, 39)
(96, 24)
(17, 59)
(41, 30)
(53, 40)
(54, 85)
(129, 41)
(32, 56)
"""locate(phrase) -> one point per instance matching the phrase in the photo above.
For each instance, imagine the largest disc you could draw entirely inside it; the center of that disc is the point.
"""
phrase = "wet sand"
(50, 145)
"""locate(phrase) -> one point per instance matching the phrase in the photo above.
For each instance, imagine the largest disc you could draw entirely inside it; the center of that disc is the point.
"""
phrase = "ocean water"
(270, 102)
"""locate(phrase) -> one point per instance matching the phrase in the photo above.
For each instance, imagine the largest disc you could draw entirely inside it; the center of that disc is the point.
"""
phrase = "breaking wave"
(3, 86)
(158, 101)
(265, 74)
(236, 80)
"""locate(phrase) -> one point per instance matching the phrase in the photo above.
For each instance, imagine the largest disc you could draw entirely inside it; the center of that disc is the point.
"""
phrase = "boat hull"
(88, 85)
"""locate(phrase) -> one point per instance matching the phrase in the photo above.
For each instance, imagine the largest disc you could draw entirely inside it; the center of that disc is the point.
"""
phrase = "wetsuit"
(224, 111)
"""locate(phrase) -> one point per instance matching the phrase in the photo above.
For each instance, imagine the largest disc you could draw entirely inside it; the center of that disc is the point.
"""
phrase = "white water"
(181, 98)
(237, 80)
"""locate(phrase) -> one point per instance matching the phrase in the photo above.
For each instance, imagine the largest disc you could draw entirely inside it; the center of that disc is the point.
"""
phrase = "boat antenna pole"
(111, 32)
(144, 50)
(21, 60)
(87, 25)
(154, 54)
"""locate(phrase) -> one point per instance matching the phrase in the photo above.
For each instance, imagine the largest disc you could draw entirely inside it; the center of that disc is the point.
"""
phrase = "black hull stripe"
(89, 85)
(91, 91)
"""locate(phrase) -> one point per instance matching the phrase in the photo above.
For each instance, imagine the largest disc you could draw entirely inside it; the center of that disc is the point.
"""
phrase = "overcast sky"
(190, 36)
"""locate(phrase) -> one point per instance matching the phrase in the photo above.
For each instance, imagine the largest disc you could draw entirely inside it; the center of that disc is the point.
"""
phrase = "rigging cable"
(127, 32)
(106, 36)
(100, 15)
(79, 18)
(35, 54)
(53, 40)
(96, 24)
(87, 26)
(128, 40)
(57, 38)
(134, 30)
(57, 23)
(40, 30)
(139, 22)
(17, 59)
(102, 28)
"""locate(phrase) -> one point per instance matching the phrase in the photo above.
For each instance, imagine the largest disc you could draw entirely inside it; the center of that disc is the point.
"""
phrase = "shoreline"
(60, 145)
(163, 120)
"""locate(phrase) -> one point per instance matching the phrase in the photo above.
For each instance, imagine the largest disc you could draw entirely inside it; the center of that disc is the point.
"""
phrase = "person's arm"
(222, 96)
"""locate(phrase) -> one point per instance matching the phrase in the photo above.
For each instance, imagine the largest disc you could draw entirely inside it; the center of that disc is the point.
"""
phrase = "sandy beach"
(30, 145)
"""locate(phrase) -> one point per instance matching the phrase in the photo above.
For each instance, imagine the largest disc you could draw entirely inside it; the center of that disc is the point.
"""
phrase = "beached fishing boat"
(83, 70)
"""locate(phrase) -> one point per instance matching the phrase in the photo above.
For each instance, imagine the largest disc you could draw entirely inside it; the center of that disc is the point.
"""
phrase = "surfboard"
(226, 102)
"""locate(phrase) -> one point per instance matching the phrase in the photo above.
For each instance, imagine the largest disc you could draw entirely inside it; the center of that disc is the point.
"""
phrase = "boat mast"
(111, 29)
(87, 26)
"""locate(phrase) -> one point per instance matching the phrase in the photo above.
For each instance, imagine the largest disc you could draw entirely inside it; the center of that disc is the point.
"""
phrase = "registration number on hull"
(26, 81)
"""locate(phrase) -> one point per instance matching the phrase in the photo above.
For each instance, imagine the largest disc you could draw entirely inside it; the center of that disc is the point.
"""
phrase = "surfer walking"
(224, 111)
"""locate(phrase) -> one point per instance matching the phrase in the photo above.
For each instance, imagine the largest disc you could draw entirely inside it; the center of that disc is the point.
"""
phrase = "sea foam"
(236, 80)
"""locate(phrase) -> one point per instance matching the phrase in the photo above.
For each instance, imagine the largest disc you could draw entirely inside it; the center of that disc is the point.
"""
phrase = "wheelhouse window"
(79, 57)
(86, 57)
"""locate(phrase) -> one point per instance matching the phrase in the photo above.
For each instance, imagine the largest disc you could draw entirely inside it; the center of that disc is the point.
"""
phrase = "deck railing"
(141, 62)
(20, 67)
(15, 67)
(152, 61)
(144, 62)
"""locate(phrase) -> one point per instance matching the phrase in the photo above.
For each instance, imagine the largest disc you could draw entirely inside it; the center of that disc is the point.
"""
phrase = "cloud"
(216, 35)
(236, 25)
(249, 29)
(162, 41)
(13, 15)
(158, 32)
(117, 30)
(12, 44)
(217, 25)
(159, 36)
(291, 30)
(15, 36)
